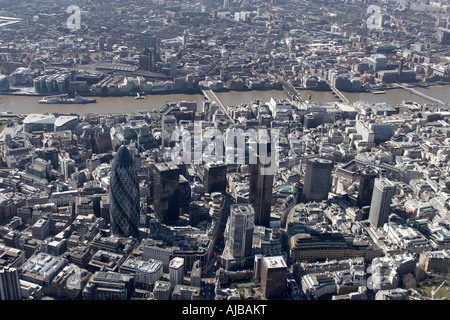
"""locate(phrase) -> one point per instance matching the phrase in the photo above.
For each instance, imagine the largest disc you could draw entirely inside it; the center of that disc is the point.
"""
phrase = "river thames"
(127, 104)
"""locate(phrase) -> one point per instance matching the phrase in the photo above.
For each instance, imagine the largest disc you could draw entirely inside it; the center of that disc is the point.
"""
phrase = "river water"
(29, 104)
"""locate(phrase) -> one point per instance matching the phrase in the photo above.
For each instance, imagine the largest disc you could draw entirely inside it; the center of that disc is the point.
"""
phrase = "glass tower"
(380, 207)
(124, 195)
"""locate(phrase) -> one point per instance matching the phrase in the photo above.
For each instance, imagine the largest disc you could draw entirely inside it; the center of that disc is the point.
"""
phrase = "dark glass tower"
(261, 184)
(165, 178)
(366, 183)
(124, 195)
(317, 180)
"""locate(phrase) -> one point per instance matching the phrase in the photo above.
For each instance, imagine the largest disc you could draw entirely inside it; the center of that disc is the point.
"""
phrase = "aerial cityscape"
(225, 150)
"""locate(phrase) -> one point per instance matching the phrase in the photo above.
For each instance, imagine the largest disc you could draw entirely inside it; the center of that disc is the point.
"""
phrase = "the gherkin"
(124, 195)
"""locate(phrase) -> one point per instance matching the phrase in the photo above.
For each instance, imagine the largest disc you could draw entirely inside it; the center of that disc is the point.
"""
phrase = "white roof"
(62, 120)
(275, 262)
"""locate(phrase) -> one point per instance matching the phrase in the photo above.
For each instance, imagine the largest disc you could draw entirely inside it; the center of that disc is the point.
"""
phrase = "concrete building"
(11, 257)
(176, 271)
(317, 180)
(239, 237)
(260, 192)
(185, 292)
(162, 290)
(145, 272)
(196, 274)
(435, 261)
(39, 122)
(273, 277)
(9, 284)
(377, 62)
(381, 202)
(41, 268)
(109, 286)
(321, 246)
(41, 229)
(365, 188)
(166, 191)
(214, 177)
(168, 126)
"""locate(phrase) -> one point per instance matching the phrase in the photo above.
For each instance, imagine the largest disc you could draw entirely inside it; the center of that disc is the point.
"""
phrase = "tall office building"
(273, 277)
(176, 271)
(9, 284)
(215, 177)
(196, 274)
(226, 5)
(173, 65)
(109, 44)
(166, 191)
(317, 181)
(101, 43)
(145, 60)
(380, 207)
(124, 203)
(261, 185)
(185, 37)
(365, 188)
(169, 124)
(149, 41)
(240, 230)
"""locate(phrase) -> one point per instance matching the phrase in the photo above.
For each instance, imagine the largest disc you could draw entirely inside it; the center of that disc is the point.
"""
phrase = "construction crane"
(433, 290)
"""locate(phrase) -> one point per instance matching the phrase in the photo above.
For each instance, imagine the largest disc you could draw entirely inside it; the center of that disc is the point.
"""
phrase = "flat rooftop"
(275, 262)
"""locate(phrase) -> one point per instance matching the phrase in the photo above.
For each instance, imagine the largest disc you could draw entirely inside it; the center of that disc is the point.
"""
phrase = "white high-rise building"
(176, 271)
(380, 207)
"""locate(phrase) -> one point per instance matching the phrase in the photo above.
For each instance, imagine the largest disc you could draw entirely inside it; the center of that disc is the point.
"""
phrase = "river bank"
(29, 91)
(26, 104)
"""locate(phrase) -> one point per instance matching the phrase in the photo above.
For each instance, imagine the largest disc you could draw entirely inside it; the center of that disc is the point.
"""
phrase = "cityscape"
(134, 165)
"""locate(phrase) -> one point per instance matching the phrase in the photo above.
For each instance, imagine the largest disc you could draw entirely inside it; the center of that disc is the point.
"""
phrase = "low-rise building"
(146, 272)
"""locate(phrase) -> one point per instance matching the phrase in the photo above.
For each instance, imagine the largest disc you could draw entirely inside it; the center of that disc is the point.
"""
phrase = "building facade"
(317, 180)
(166, 191)
(381, 202)
(124, 202)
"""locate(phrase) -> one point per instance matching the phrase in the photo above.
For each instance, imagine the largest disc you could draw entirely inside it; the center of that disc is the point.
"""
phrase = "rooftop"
(275, 262)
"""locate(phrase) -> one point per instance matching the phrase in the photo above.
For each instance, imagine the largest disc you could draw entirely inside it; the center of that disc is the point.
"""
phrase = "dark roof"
(123, 157)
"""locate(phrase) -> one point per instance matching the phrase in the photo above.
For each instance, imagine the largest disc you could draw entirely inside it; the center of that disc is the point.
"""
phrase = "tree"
(409, 281)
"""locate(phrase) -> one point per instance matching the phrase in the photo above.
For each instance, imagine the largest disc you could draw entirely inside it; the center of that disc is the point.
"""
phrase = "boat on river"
(64, 99)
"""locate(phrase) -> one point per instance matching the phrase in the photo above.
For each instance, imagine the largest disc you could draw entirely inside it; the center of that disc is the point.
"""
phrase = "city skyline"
(237, 152)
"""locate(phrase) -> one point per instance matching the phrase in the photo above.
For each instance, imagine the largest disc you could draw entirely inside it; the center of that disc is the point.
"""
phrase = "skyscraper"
(9, 284)
(169, 124)
(173, 65)
(214, 177)
(176, 271)
(273, 277)
(380, 207)
(166, 191)
(239, 236)
(261, 184)
(124, 195)
(365, 188)
(226, 5)
(317, 181)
